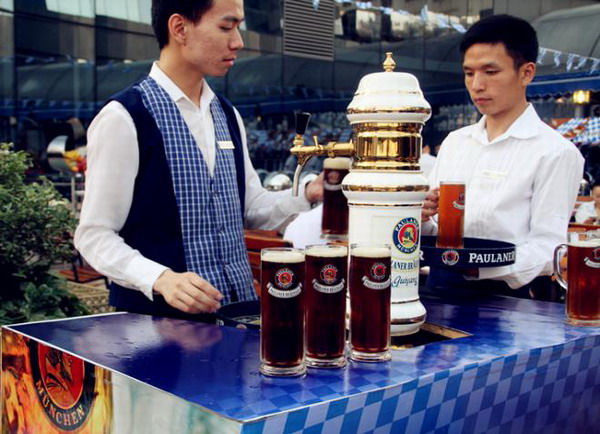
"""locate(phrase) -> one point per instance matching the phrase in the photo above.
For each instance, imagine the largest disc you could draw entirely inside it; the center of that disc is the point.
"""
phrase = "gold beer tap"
(306, 152)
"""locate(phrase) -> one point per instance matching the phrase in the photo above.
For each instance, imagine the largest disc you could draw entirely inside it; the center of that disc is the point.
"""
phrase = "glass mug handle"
(558, 253)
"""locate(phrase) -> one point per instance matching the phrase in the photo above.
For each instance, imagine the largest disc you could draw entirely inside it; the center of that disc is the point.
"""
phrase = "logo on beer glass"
(284, 278)
(594, 261)
(460, 203)
(329, 274)
(450, 257)
(378, 271)
(406, 235)
(378, 274)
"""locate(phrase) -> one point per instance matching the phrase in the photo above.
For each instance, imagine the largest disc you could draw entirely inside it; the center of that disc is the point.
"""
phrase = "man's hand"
(188, 292)
(590, 221)
(430, 205)
(314, 189)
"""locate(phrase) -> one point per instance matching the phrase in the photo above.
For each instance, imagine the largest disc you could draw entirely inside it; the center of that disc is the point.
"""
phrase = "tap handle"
(301, 122)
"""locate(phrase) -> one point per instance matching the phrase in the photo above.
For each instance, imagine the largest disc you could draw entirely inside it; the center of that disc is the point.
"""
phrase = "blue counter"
(522, 369)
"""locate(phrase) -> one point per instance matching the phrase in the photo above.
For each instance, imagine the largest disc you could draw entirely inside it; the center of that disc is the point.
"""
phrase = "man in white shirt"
(521, 176)
(169, 178)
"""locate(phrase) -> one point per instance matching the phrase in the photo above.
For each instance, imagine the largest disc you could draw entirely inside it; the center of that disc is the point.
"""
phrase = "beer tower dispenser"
(385, 187)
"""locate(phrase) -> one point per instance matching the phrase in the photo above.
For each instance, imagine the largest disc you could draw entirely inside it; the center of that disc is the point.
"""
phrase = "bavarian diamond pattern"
(545, 390)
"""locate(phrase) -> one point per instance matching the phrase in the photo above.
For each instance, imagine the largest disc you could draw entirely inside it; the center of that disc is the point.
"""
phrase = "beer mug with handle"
(582, 282)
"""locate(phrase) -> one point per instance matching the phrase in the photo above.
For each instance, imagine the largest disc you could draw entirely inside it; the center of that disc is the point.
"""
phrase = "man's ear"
(177, 29)
(527, 72)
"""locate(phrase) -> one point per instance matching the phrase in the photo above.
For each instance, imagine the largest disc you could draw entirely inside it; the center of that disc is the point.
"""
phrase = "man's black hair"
(596, 183)
(163, 9)
(516, 34)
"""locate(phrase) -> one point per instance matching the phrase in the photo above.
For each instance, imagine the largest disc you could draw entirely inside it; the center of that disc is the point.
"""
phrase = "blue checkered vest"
(181, 216)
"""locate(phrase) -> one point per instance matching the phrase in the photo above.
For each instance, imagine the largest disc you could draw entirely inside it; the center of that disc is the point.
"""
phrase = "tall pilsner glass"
(335, 205)
(282, 312)
(325, 286)
(370, 300)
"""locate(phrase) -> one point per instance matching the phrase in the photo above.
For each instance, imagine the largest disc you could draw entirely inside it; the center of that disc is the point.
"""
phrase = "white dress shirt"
(427, 161)
(585, 211)
(305, 230)
(521, 188)
(112, 166)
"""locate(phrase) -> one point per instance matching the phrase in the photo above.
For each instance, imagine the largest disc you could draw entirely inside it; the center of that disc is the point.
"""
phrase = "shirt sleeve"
(112, 166)
(268, 209)
(430, 227)
(554, 193)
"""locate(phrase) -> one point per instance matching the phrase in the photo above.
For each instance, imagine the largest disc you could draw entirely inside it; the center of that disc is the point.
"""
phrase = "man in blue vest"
(169, 178)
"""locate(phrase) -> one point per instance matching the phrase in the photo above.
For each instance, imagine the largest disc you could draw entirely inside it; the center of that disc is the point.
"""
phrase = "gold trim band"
(371, 110)
(385, 205)
(408, 320)
(404, 301)
(388, 126)
(389, 92)
(385, 165)
(386, 188)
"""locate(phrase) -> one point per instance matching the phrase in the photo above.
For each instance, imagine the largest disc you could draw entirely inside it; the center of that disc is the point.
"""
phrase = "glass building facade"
(60, 60)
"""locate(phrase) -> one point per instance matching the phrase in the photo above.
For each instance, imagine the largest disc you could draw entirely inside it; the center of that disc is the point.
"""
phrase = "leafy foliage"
(34, 234)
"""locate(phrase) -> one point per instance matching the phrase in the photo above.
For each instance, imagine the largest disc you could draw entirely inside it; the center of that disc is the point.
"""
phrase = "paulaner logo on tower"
(64, 385)
(406, 235)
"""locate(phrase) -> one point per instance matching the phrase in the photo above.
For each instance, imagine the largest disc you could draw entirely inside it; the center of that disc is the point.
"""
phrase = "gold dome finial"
(389, 64)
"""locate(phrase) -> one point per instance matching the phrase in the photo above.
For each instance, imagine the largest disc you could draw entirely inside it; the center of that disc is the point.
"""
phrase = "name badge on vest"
(225, 144)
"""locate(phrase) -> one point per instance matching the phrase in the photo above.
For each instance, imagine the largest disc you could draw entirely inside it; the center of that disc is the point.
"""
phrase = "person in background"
(169, 179)
(521, 176)
(427, 161)
(589, 212)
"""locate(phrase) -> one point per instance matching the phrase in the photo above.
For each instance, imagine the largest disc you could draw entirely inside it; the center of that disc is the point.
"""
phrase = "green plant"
(34, 234)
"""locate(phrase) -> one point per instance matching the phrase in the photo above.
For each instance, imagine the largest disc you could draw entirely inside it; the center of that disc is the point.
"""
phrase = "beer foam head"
(370, 251)
(585, 243)
(284, 256)
(339, 163)
(327, 251)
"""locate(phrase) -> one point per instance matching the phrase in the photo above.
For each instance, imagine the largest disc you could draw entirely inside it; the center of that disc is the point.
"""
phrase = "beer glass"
(282, 312)
(325, 320)
(335, 205)
(583, 281)
(451, 215)
(370, 300)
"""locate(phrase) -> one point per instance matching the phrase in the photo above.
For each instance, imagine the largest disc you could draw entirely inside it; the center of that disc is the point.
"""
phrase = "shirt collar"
(176, 94)
(524, 127)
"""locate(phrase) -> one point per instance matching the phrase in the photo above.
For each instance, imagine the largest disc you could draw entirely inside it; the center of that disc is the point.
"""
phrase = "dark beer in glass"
(325, 297)
(451, 215)
(582, 283)
(335, 205)
(282, 312)
(370, 300)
